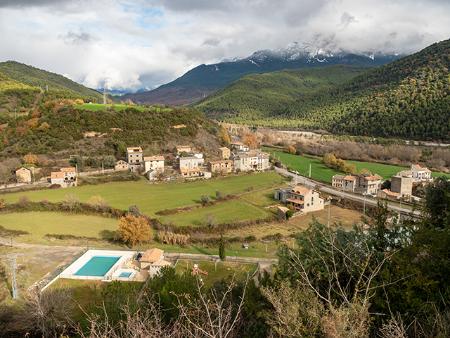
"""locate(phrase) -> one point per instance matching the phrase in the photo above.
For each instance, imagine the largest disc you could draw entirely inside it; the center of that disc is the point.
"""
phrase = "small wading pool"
(125, 274)
(97, 266)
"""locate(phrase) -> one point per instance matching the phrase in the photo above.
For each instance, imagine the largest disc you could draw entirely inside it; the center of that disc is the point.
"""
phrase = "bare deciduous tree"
(214, 315)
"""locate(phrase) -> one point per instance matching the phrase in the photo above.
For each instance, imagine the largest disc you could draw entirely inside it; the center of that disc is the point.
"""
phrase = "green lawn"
(301, 164)
(222, 212)
(322, 173)
(217, 272)
(117, 107)
(40, 223)
(151, 198)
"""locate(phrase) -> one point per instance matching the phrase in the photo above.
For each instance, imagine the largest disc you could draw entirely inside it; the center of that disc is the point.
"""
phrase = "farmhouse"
(225, 153)
(300, 198)
(65, 177)
(190, 162)
(153, 166)
(251, 161)
(23, 175)
(221, 166)
(368, 184)
(344, 183)
(121, 165)
(135, 158)
(239, 146)
(363, 183)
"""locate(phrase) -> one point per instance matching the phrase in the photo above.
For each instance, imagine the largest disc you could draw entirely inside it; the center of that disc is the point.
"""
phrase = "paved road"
(354, 197)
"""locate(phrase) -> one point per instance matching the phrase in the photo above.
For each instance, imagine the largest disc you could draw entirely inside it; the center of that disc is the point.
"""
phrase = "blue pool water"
(97, 266)
(125, 274)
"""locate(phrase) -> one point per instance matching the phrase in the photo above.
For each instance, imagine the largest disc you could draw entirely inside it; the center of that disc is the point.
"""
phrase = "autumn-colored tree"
(133, 230)
(291, 149)
(30, 159)
(224, 136)
(250, 140)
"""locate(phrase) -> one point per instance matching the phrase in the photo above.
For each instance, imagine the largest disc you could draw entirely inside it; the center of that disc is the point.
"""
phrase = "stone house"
(239, 146)
(121, 165)
(420, 174)
(135, 158)
(368, 184)
(300, 198)
(402, 185)
(344, 182)
(221, 167)
(153, 166)
(225, 153)
(251, 161)
(65, 177)
(23, 175)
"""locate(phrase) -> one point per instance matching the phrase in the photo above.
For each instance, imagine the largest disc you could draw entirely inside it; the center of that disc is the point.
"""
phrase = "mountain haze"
(203, 80)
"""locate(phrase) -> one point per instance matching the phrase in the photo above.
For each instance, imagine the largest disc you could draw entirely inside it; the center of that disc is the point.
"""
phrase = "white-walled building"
(251, 161)
(300, 198)
(153, 166)
(65, 177)
(239, 146)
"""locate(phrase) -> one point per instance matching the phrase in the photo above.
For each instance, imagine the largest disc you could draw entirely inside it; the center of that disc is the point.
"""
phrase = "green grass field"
(322, 173)
(117, 107)
(40, 223)
(151, 198)
(223, 212)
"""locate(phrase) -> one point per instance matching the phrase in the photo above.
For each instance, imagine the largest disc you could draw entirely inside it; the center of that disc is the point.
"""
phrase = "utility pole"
(364, 203)
(310, 170)
(15, 291)
(329, 210)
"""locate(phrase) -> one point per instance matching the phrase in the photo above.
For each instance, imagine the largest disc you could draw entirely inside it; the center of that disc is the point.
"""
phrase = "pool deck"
(72, 271)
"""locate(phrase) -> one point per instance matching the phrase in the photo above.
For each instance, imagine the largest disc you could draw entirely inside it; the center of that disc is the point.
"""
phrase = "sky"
(127, 45)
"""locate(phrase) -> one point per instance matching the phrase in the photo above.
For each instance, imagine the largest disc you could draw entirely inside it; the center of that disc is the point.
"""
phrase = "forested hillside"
(41, 78)
(406, 98)
(22, 87)
(270, 94)
(59, 129)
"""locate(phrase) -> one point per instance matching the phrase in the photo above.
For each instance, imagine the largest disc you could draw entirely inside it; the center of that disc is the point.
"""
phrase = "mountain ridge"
(203, 80)
(406, 98)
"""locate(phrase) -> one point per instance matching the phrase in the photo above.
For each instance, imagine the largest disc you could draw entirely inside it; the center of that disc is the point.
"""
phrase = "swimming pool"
(125, 274)
(97, 266)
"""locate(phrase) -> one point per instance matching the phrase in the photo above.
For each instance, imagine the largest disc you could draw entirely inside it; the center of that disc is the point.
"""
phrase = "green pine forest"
(407, 98)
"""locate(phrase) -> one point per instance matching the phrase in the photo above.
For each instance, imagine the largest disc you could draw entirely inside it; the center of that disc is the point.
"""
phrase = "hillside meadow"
(151, 198)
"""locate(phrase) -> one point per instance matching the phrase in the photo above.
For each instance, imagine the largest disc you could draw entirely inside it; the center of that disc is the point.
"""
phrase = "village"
(190, 164)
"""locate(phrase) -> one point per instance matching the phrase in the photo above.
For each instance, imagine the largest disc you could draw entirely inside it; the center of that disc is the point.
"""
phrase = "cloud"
(76, 38)
(347, 19)
(131, 44)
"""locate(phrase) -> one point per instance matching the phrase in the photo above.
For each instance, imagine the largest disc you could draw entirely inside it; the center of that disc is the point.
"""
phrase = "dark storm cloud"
(31, 3)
